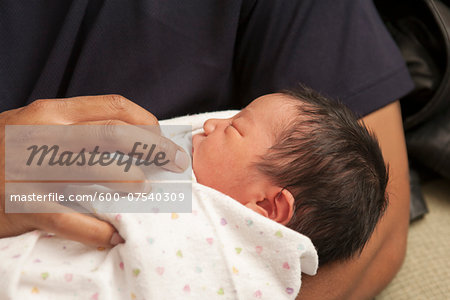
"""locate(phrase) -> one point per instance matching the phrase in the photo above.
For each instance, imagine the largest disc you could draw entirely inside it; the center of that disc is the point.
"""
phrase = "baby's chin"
(195, 142)
(196, 138)
(195, 169)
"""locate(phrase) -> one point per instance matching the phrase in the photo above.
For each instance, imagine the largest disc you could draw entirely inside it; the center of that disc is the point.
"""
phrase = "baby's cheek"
(201, 166)
(196, 165)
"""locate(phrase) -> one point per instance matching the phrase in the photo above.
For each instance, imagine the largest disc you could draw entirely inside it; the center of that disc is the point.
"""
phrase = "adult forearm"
(365, 276)
(389, 257)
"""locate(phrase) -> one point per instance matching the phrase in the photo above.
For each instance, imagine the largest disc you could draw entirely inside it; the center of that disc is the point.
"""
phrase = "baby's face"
(224, 153)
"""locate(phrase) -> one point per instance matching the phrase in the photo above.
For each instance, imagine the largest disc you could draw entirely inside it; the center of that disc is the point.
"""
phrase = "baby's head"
(303, 161)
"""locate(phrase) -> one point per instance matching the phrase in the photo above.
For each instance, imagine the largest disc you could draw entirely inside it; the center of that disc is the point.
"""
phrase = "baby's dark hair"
(334, 168)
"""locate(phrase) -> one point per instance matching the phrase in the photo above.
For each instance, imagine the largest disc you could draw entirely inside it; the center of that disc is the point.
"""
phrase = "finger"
(154, 149)
(89, 108)
(79, 227)
(138, 141)
(65, 223)
(13, 224)
(124, 178)
(152, 127)
(91, 152)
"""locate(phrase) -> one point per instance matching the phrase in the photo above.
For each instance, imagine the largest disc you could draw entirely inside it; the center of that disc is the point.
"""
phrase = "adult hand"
(96, 110)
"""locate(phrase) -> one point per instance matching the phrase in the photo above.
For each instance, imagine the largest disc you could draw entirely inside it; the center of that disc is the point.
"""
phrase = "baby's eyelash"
(235, 128)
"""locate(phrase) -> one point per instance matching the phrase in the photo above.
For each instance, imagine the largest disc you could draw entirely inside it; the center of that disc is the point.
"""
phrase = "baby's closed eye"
(233, 125)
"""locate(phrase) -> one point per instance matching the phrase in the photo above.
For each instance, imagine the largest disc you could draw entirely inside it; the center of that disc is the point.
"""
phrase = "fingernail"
(182, 160)
(116, 239)
(147, 186)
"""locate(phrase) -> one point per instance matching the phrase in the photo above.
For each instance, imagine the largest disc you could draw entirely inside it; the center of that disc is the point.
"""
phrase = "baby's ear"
(278, 206)
(284, 203)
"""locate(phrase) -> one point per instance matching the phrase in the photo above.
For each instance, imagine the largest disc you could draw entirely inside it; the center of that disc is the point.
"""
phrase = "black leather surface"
(418, 207)
(421, 29)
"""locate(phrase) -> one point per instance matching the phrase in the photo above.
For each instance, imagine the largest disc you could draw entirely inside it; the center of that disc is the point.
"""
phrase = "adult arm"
(365, 276)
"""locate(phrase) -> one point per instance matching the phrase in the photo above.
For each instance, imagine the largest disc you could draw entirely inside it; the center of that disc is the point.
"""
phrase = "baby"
(303, 161)
(292, 157)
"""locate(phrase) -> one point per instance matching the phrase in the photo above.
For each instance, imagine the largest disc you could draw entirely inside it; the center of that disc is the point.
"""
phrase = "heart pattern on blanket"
(179, 253)
(136, 272)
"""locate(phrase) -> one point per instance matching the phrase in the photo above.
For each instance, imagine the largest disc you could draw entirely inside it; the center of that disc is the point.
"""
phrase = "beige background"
(425, 273)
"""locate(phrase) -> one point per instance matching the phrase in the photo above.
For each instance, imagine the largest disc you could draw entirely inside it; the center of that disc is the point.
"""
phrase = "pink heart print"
(68, 277)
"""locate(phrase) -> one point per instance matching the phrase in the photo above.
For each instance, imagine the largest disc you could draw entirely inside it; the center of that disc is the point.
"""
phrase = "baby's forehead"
(279, 112)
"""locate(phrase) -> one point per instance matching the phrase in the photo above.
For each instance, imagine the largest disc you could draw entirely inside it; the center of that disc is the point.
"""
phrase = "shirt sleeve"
(340, 48)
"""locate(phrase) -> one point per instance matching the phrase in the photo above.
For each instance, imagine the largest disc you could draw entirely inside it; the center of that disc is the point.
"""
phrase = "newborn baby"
(302, 161)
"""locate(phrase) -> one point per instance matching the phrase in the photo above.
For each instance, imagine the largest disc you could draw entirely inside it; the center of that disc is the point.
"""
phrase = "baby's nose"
(211, 125)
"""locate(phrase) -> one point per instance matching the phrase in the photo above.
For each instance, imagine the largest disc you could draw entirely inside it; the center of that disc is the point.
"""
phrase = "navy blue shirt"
(175, 57)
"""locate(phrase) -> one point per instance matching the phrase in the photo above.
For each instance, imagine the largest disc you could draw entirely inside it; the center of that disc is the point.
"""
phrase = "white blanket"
(222, 250)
